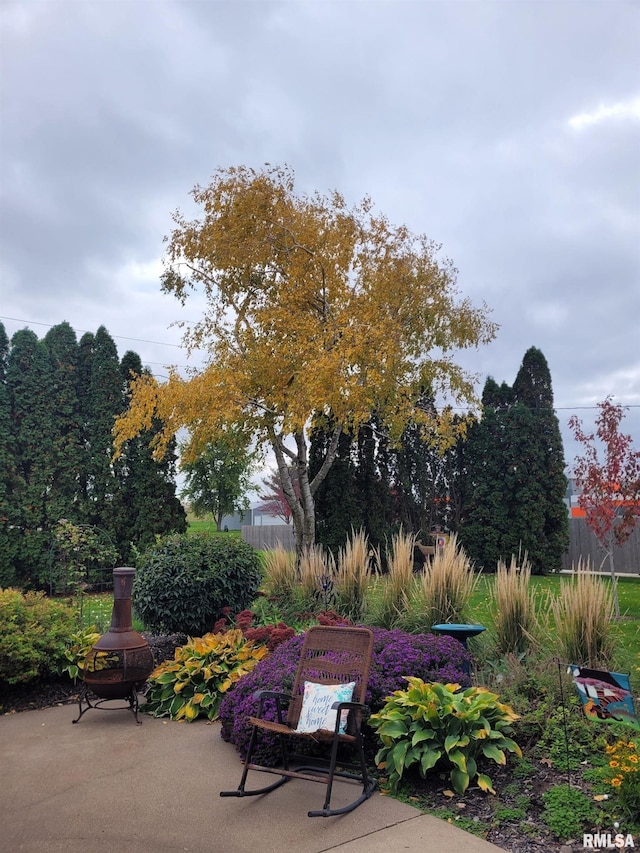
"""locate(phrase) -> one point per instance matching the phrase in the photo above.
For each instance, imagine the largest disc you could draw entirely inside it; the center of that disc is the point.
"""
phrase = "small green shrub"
(568, 812)
(566, 752)
(34, 631)
(193, 684)
(438, 724)
(185, 583)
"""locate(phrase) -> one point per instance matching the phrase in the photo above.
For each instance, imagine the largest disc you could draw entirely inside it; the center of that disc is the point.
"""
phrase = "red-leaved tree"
(275, 501)
(610, 489)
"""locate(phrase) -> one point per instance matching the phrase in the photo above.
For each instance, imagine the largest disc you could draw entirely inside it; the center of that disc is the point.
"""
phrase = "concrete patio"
(108, 784)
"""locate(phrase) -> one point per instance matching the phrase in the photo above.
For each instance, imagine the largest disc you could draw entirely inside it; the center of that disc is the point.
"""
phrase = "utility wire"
(179, 346)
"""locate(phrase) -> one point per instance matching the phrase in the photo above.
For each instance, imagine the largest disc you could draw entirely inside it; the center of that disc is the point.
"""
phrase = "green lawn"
(96, 610)
(200, 525)
(204, 525)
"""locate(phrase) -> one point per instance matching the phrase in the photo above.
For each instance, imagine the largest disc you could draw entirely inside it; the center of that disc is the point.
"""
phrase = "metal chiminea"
(119, 663)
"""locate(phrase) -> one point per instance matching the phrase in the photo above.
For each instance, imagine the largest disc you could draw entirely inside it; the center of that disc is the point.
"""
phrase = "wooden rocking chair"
(331, 656)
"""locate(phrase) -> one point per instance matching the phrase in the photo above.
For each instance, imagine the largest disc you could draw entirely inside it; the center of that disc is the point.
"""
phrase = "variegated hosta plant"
(194, 683)
(432, 724)
(80, 644)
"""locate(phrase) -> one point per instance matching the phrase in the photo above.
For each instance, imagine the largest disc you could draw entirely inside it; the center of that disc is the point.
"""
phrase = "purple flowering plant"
(396, 654)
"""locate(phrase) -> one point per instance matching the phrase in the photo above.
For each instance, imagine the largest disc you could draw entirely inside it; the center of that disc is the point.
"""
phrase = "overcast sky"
(508, 131)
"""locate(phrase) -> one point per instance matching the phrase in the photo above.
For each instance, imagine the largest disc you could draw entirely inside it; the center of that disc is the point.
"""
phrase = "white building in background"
(255, 516)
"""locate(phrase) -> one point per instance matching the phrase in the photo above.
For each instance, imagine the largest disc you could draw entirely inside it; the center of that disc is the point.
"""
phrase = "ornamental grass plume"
(447, 584)
(513, 603)
(280, 573)
(400, 581)
(583, 613)
(316, 574)
(353, 576)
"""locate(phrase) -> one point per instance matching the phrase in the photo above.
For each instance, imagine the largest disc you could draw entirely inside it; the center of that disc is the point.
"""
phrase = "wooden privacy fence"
(269, 536)
(582, 543)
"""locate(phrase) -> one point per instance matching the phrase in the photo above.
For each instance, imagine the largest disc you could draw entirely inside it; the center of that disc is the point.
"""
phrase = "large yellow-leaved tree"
(312, 306)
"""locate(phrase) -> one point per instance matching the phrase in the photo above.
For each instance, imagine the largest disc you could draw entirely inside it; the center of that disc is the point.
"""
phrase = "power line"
(116, 337)
(178, 346)
(87, 332)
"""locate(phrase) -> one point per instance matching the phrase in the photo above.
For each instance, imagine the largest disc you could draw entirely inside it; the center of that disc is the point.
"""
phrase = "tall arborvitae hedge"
(58, 401)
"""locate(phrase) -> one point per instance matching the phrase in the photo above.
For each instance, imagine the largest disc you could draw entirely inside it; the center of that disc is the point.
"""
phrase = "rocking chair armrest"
(351, 706)
(280, 697)
(272, 694)
(365, 711)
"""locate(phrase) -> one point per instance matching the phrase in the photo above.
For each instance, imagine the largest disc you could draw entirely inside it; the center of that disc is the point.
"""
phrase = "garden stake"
(564, 722)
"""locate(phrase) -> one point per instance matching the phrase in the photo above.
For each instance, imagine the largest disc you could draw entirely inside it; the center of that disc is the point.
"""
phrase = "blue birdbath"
(459, 632)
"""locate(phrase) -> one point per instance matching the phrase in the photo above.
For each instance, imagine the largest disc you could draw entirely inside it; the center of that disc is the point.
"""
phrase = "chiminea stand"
(85, 697)
(120, 662)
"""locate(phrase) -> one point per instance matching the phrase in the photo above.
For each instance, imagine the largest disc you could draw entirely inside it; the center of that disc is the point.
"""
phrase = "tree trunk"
(614, 580)
(303, 511)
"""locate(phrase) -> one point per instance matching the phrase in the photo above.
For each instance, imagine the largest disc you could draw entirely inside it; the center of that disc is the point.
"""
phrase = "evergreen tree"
(356, 493)
(104, 400)
(515, 483)
(58, 402)
(485, 508)
(338, 508)
(29, 383)
(533, 389)
(65, 445)
(144, 503)
(417, 477)
(83, 386)
(372, 482)
(10, 534)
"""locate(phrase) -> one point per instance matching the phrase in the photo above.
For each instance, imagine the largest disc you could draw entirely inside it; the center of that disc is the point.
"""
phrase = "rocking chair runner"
(330, 656)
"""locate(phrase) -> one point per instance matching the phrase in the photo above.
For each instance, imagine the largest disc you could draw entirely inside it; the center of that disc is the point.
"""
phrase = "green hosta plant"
(432, 724)
(194, 683)
(80, 644)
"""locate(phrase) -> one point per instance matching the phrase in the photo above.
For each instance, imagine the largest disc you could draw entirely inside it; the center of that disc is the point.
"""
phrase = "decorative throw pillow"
(317, 713)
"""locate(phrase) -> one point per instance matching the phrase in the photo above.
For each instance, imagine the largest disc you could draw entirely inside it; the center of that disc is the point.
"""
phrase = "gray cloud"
(455, 117)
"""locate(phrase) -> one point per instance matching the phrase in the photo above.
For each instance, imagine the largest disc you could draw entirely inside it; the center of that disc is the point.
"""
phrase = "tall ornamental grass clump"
(513, 606)
(353, 576)
(316, 580)
(447, 584)
(398, 586)
(396, 654)
(280, 576)
(583, 613)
